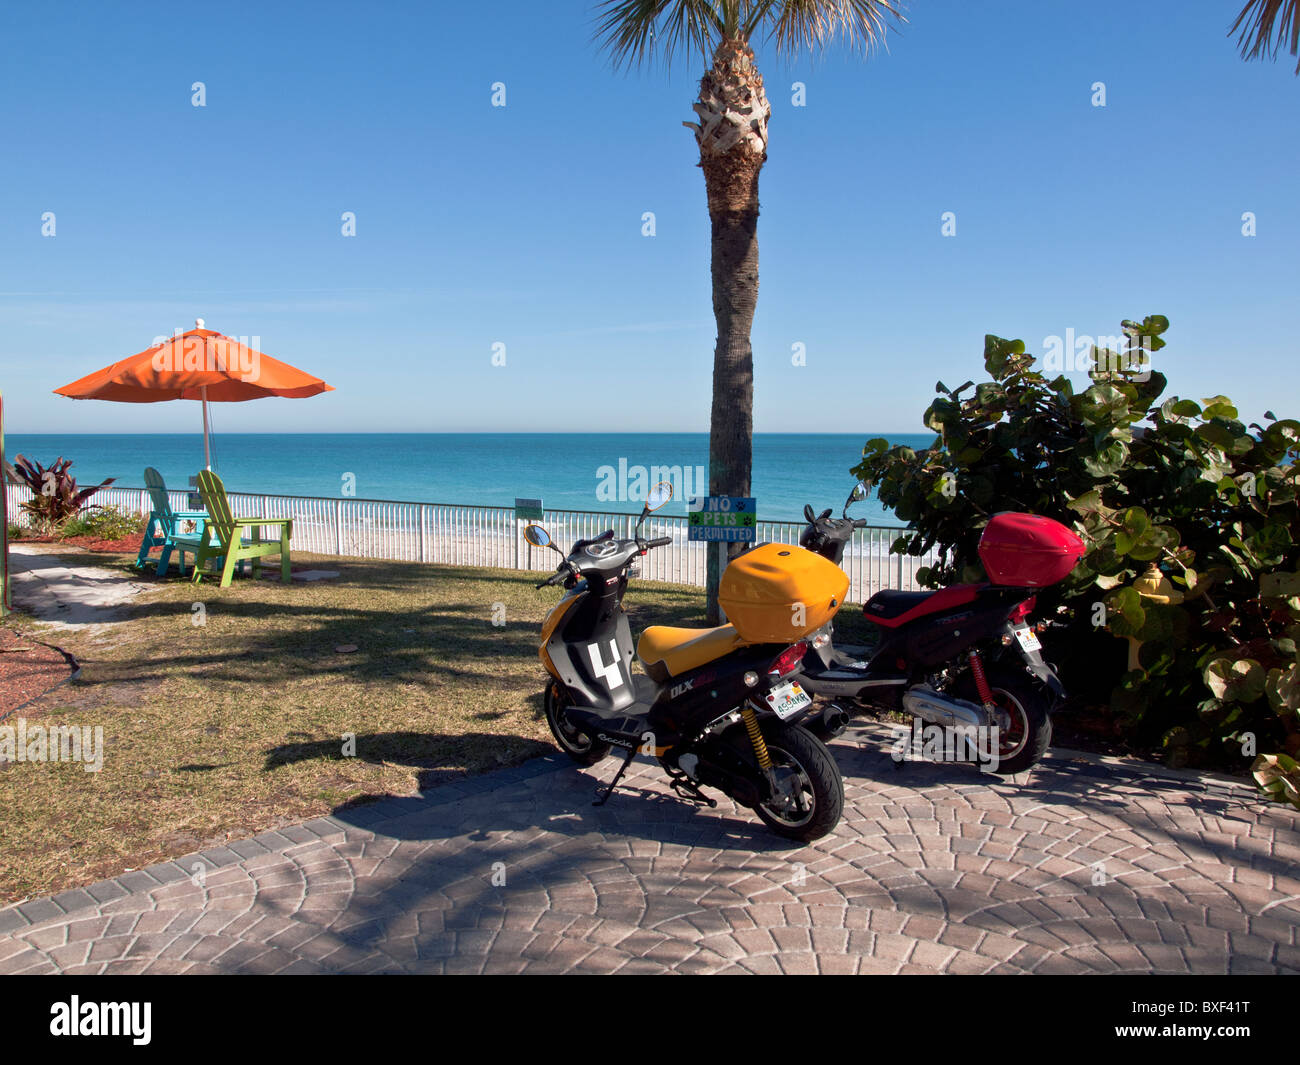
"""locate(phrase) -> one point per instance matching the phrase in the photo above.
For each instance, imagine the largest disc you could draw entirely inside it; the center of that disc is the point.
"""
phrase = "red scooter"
(962, 658)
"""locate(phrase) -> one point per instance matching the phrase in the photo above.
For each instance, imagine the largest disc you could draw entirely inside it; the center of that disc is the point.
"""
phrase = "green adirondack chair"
(163, 529)
(225, 535)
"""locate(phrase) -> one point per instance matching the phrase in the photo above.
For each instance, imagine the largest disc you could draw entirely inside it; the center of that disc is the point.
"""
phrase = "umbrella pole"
(207, 451)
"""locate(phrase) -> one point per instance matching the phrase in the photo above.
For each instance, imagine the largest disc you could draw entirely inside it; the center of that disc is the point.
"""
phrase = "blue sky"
(522, 225)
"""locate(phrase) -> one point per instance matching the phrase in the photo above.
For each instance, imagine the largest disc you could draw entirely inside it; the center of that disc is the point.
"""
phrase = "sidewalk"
(1080, 867)
(52, 589)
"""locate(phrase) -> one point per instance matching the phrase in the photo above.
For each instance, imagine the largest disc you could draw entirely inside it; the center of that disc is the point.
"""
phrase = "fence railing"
(491, 537)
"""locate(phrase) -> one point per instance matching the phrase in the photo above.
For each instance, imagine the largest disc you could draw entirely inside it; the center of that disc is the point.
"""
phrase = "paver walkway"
(1078, 868)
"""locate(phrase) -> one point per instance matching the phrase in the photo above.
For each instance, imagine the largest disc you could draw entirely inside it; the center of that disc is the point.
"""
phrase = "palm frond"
(1265, 26)
(634, 32)
(811, 24)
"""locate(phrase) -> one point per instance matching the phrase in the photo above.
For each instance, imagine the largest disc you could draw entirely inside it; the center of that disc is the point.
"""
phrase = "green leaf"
(1125, 614)
(1105, 462)
(1235, 680)
(1089, 502)
(1283, 689)
(1103, 401)
(998, 354)
(1218, 407)
(1154, 543)
(1135, 521)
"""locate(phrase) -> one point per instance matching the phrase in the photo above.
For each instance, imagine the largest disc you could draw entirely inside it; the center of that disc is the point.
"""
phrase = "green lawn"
(234, 726)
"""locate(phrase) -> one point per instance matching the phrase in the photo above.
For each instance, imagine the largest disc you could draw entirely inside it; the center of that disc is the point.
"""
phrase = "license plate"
(1027, 638)
(787, 699)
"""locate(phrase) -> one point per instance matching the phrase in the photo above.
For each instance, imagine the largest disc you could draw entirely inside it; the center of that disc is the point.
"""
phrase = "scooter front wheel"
(578, 744)
(811, 798)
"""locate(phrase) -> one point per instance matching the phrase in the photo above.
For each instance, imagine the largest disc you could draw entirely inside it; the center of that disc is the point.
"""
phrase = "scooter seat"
(893, 608)
(669, 652)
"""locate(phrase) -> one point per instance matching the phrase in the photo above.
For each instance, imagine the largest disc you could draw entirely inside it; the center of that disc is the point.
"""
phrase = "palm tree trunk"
(732, 136)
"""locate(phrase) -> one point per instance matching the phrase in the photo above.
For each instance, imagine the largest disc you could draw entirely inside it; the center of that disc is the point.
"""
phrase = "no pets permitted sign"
(722, 519)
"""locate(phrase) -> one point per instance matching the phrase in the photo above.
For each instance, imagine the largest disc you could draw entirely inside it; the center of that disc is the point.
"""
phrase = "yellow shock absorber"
(756, 737)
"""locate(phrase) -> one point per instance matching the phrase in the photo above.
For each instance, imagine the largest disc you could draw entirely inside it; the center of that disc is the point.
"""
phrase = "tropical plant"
(731, 135)
(56, 498)
(1190, 520)
(1266, 25)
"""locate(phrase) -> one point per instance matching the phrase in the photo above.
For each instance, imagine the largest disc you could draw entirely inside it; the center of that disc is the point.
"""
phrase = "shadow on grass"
(275, 639)
(435, 757)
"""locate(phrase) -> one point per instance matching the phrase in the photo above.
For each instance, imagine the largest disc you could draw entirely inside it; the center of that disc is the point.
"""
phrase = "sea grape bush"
(1179, 498)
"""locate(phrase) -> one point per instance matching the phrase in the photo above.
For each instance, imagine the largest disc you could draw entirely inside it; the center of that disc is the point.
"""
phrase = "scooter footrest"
(690, 793)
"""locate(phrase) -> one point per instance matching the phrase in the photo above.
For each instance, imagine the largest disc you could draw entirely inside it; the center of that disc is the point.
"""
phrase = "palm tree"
(1259, 38)
(732, 137)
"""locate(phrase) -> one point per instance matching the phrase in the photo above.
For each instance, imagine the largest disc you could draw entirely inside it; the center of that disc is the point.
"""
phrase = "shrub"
(1147, 481)
(104, 523)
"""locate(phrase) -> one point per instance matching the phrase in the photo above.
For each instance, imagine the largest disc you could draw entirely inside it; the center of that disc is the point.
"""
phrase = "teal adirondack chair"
(225, 535)
(164, 527)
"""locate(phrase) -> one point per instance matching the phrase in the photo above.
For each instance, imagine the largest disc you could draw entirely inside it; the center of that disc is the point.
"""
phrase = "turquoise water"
(567, 471)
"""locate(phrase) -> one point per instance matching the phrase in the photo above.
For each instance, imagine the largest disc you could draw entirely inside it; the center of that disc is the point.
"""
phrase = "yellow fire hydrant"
(1156, 588)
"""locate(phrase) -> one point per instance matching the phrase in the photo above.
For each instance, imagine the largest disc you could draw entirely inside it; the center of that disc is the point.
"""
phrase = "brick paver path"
(1077, 867)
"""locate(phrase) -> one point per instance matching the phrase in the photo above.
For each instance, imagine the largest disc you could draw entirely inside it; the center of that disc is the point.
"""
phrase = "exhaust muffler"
(924, 702)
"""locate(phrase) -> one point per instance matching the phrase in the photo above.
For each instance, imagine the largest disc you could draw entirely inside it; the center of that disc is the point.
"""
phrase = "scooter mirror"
(858, 494)
(658, 496)
(537, 536)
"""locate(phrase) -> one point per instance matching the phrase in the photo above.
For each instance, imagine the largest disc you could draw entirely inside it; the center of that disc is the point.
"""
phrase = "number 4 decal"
(611, 674)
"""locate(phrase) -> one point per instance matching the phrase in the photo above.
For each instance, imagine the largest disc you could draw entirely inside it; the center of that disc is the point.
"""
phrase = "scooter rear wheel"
(1025, 738)
(819, 789)
(578, 744)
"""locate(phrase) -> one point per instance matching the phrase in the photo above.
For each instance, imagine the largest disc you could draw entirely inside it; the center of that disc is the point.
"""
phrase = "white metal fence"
(491, 537)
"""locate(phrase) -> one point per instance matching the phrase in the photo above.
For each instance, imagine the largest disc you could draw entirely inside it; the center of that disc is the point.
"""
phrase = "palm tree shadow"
(435, 757)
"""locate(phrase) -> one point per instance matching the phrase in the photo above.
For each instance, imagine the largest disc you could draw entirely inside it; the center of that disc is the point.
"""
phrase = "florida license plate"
(1027, 638)
(788, 699)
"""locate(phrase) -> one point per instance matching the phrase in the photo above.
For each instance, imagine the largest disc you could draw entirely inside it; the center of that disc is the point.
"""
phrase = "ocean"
(567, 471)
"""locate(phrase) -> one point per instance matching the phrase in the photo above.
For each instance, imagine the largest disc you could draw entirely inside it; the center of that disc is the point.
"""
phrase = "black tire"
(794, 747)
(1027, 705)
(579, 745)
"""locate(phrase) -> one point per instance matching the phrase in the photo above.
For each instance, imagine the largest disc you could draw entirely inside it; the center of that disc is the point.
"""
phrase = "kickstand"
(604, 796)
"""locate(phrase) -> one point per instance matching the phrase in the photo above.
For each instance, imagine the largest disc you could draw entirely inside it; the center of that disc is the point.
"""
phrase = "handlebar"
(562, 572)
(567, 569)
(858, 523)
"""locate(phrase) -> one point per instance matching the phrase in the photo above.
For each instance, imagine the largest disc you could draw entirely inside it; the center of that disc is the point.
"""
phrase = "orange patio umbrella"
(202, 365)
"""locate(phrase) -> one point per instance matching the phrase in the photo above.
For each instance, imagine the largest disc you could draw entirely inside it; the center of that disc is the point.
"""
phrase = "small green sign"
(528, 509)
